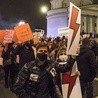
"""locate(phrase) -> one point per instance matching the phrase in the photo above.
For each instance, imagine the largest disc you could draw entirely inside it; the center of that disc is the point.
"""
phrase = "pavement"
(6, 93)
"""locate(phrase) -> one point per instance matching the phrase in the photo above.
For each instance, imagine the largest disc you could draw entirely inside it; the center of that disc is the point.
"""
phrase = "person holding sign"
(37, 78)
(62, 58)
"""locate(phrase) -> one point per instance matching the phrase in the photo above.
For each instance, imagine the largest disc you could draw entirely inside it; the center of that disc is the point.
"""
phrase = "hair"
(61, 49)
(42, 45)
(86, 41)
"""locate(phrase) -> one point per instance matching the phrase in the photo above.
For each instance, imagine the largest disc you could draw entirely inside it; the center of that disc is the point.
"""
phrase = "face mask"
(42, 56)
(63, 57)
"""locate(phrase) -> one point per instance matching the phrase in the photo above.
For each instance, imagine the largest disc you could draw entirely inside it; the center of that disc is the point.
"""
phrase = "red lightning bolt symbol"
(68, 79)
(73, 24)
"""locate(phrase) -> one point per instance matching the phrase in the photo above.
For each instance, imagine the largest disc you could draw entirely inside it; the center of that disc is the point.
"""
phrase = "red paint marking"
(73, 24)
(68, 79)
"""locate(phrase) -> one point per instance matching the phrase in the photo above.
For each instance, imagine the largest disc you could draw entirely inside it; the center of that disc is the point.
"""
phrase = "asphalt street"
(6, 93)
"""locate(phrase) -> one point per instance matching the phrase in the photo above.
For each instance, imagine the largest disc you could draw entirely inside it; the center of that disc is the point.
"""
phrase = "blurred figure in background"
(87, 66)
(25, 52)
(94, 47)
(9, 62)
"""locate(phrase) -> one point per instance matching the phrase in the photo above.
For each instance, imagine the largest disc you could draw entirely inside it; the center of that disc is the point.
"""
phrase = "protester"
(53, 51)
(61, 58)
(9, 62)
(94, 47)
(25, 52)
(86, 64)
(37, 78)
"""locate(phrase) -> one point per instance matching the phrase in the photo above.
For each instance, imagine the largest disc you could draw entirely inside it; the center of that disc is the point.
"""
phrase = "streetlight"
(44, 9)
(21, 23)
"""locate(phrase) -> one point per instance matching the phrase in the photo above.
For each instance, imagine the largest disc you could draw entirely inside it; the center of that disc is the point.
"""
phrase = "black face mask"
(42, 56)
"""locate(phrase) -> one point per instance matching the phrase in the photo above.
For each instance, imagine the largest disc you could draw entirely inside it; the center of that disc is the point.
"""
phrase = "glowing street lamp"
(21, 23)
(44, 9)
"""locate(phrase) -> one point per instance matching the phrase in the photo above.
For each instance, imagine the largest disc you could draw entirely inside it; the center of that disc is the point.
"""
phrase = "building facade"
(58, 16)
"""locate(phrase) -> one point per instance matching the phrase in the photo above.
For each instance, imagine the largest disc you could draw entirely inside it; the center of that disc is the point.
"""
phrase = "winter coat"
(25, 55)
(86, 64)
(27, 86)
(9, 55)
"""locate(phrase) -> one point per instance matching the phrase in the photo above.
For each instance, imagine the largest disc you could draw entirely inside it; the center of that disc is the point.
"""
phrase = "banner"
(63, 31)
(8, 37)
(23, 33)
(70, 82)
(15, 38)
(74, 29)
(2, 33)
(37, 36)
(1, 48)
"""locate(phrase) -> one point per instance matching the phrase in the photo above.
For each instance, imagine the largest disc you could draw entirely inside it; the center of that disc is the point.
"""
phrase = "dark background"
(27, 10)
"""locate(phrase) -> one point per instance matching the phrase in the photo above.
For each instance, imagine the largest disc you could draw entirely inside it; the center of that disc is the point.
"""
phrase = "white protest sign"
(8, 36)
(70, 82)
(63, 31)
(74, 29)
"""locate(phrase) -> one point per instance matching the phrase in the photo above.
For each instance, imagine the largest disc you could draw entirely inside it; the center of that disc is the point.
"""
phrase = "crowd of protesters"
(30, 77)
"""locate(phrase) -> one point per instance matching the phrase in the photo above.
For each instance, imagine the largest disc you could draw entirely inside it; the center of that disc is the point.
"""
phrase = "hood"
(84, 49)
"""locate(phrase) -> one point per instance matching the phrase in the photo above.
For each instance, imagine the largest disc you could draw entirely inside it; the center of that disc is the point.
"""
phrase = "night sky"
(27, 10)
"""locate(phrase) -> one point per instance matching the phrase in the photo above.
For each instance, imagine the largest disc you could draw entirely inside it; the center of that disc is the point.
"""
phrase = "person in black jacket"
(9, 62)
(37, 78)
(25, 52)
(86, 64)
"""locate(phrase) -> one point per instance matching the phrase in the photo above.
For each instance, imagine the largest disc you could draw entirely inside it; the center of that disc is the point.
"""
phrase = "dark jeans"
(10, 74)
(87, 88)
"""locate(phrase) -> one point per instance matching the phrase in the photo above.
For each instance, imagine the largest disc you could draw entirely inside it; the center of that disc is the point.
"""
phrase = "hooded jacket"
(86, 64)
